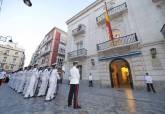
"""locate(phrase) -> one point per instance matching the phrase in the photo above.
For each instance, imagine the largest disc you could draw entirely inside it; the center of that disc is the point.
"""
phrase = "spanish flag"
(108, 24)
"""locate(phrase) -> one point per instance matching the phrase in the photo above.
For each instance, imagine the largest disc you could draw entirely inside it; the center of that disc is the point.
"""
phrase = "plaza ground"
(94, 100)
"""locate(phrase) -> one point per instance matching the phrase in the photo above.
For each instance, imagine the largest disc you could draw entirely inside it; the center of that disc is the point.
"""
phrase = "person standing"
(2, 76)
(30, 89)
(54, 76)
(74, 86)
(90, 80)
(44, 82)
(149, 83)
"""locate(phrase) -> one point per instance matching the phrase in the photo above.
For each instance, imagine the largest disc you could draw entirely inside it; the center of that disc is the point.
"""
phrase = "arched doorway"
(120, 74)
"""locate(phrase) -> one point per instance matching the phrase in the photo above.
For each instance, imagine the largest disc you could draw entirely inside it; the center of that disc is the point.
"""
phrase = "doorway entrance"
(120, 74)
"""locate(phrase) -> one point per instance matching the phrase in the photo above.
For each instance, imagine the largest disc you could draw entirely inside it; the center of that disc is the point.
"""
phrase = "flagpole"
(109, 28)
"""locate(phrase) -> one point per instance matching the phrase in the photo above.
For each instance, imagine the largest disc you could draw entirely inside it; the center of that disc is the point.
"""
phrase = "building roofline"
(54, 28)
(86, 9)
(18, 49)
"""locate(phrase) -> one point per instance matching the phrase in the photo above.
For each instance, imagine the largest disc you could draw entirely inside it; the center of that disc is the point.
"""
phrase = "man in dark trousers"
(90, 80)
(74, 86)
(149, 83)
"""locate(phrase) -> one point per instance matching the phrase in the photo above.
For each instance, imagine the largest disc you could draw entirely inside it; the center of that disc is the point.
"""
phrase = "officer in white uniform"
(74, 86)
(54, 76)
(149, 83)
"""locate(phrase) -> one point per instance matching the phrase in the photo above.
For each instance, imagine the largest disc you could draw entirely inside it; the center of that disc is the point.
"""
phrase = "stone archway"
(120, 73)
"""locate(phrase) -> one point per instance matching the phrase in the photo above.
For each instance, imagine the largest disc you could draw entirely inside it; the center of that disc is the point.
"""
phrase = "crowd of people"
(32, 81)
(43, 81)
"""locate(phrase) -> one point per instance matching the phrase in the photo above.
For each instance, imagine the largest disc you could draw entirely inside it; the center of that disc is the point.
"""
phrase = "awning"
(134, 53)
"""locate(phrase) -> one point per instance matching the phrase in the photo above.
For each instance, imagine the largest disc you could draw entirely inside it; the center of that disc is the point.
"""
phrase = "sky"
(29, 25)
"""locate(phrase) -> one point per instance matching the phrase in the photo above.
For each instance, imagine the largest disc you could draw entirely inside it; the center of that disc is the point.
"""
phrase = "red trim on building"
(56, 43)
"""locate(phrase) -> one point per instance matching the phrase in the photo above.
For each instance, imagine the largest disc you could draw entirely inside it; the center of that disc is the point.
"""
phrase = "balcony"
(77, 53)
(113, 12)
(45, 53)
(118, 42)
(61, 51)
(79, 30)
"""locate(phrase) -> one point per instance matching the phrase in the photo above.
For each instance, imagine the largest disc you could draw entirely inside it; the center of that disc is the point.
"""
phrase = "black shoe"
(69, 105)
(78, 107)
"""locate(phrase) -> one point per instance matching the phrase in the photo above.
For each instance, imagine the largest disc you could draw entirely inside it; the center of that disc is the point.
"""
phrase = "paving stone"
(93, 101)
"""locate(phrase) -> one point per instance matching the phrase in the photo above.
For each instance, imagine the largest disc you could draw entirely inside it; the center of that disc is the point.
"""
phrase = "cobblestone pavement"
(93, 101)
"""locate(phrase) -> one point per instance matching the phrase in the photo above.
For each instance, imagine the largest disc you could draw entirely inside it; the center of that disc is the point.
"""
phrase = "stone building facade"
(11, 56)
(138, 46)
(51, 50)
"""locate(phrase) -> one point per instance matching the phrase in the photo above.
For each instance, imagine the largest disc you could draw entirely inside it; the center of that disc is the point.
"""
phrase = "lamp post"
(27, 2)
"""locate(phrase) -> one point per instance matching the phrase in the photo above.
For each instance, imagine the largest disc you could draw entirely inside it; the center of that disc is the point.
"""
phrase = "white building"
(11, 56)
(138, 46)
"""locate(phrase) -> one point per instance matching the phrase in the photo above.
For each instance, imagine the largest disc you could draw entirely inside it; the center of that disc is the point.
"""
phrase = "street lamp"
(27, 2)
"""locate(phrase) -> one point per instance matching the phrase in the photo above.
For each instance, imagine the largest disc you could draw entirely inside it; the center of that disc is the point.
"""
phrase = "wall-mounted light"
(153, 52)
(93, 62)
(27, 2)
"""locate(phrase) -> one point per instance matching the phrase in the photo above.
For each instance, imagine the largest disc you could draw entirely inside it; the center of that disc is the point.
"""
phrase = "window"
(16, 53)
(43, 61)
(6, 66)
(6, 52)
(4, 59)
(79, 45)
(14, 59)
(2, 65)
(116, 33)
(12, 67)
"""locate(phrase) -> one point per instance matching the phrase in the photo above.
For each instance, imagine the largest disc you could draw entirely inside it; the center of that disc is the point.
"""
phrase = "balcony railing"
(118, 42)
(61, 51)
(78, 53)
(79, 30)
(45, 53)
(112, 12)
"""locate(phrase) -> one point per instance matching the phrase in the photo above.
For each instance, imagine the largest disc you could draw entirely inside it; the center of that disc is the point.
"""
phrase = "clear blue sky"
(28, 25)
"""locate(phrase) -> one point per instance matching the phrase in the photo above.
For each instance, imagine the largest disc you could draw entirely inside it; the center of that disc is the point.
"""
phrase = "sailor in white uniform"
(54, 76)
(30, 89)
(27, 79)
(44, 82)
(23, 79)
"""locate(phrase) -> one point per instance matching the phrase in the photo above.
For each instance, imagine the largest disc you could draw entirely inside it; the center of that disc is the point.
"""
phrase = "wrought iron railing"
(61, 51)
(112, 11)
(78, 53)
(45, 52)
(117, 42)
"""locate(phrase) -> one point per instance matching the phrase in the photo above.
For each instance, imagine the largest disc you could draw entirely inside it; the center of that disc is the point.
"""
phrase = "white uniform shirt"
(148, 79)
(75, 76)
(54, 75)
(90, 77)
